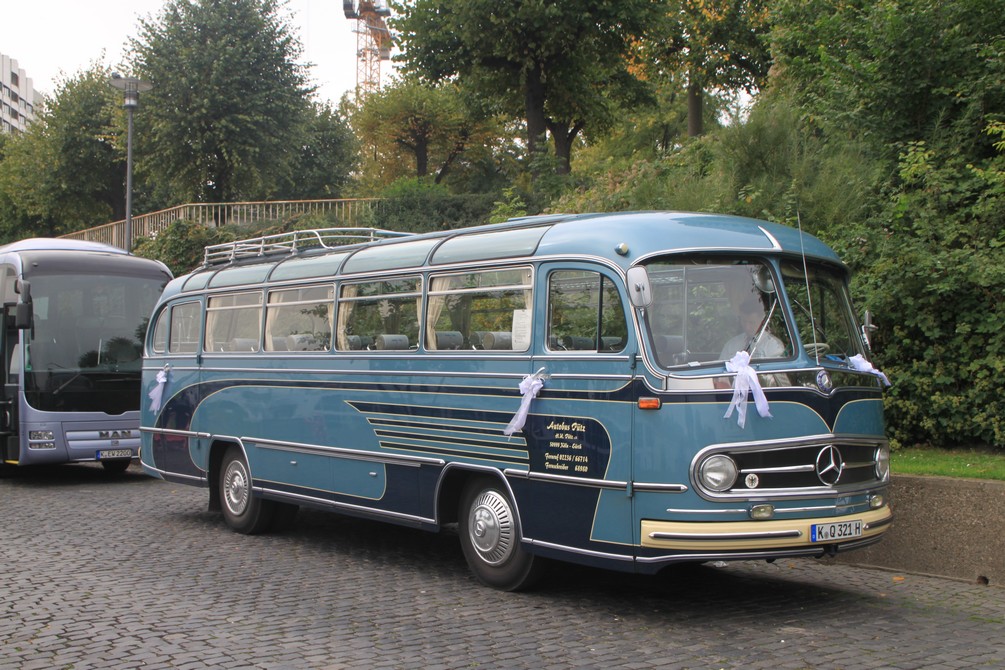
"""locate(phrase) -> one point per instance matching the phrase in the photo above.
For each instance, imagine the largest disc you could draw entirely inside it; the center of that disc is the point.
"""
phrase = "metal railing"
(347, 212)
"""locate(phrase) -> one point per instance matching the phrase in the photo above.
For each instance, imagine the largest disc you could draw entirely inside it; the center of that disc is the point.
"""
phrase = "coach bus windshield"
(706, 310)
(84, 350)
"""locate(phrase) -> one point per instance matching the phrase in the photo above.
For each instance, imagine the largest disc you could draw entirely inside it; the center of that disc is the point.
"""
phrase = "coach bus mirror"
(23, 311)
(867, 329)
(639, 290)
(763, 281)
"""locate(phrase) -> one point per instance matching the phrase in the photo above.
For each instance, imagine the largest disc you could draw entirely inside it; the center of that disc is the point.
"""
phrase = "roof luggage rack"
(294, 242)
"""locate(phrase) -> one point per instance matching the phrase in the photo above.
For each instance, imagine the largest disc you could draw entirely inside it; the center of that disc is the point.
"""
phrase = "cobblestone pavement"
(105, 571)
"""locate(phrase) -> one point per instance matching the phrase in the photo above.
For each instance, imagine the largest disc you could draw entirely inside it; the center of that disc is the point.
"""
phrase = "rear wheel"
(242, 511)
(490, 538)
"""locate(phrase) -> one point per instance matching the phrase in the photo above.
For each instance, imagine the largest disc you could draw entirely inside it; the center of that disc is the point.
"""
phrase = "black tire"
(490, 538)
(244, 512)
(117, 466)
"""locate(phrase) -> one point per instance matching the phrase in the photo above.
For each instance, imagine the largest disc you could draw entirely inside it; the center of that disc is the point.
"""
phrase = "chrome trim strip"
(785, 468)
(345, 506)
(736, 556)
(650, 487)
(150, 468)
(673, 510)
(577, 550)
(728, 537)
(351, 454)
(566, 479)
(169, 431)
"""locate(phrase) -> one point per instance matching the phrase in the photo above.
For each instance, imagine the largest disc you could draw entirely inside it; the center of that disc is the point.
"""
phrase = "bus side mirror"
(23, 314)
(640, 292)
(867, 329)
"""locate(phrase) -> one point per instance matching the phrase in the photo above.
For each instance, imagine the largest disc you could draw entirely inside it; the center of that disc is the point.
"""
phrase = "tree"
(327, 157)
(64, 173)
(713, 44)
(418, 130)
(561, 64)
(225, 118)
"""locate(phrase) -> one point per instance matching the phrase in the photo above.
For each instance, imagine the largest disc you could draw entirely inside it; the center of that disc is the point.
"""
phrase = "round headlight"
(882, 463)
(717, 473)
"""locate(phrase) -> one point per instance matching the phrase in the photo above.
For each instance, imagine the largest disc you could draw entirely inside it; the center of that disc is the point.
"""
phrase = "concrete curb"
(942, 526)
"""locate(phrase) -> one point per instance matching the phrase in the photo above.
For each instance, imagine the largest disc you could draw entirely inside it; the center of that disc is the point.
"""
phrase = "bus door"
(580, 432)
(10, 364)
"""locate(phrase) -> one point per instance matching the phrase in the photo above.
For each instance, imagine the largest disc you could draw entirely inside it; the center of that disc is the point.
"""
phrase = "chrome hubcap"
(491, 528)
(235, 488)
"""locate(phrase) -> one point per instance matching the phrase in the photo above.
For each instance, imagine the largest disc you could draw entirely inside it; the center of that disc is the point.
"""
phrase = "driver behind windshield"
(752, 317)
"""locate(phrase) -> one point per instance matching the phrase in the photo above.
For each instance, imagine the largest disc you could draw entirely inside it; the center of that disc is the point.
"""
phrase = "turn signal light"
(650, 403)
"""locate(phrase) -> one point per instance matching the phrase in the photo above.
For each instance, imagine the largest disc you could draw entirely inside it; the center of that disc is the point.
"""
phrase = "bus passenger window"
(382, 314)
(159, 342)
(299, 319)
(184, 335)
(488, 310)
(585, 313)
(234, 322)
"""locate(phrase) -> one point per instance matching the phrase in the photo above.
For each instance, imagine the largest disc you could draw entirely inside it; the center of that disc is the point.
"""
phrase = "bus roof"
(623, 238)
(59, 244)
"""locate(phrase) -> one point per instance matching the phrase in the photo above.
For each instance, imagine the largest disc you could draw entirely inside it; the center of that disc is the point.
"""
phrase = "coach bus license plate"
(114, 453)
(830, 532)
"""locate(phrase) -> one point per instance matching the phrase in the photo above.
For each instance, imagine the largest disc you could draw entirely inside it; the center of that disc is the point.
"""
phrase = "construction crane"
(373, 41)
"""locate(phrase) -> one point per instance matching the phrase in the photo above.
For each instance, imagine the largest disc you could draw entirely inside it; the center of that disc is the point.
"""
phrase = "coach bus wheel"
(490, 538)
(242, 511)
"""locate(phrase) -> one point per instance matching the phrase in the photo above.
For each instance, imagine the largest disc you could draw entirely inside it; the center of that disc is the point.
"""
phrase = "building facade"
(17, 96)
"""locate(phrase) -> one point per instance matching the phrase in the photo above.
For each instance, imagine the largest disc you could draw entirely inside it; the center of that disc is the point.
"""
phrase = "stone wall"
(942, 526)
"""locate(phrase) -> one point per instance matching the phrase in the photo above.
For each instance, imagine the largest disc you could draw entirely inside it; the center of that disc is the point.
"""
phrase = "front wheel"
(490, 538)
(242, 511)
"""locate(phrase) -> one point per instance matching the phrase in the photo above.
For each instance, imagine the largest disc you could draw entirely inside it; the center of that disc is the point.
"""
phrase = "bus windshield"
(84, 351)
(709, 309)
(822, 310)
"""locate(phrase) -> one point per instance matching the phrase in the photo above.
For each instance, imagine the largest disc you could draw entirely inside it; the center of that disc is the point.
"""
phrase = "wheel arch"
(455, 478)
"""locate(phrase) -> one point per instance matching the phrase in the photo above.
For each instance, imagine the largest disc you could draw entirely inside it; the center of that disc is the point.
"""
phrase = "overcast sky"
(50, 37)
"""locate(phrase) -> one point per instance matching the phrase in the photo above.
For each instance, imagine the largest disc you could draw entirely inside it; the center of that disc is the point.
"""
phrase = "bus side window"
(159, 343)
(234, 322)
(487, 310)
(585, 313)
(383, 314)
(183, 336)
(299, 319)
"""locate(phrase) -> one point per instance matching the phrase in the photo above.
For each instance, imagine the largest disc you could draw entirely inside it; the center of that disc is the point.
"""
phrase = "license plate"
(832, 532)
(114, 453)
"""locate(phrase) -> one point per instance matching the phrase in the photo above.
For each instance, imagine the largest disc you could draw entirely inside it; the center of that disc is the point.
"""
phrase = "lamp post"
(131, 88)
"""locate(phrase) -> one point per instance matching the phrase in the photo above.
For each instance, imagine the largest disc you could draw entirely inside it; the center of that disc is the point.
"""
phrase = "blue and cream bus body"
(75, 315)
(563, 387)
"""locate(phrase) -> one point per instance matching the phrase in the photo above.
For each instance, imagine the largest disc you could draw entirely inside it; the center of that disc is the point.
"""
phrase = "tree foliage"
(411, 129)
(64, 173)
(225, 118)
(562, 65)
(713, 45)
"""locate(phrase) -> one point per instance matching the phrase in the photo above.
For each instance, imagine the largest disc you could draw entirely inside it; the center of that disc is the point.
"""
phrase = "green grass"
(976, 463)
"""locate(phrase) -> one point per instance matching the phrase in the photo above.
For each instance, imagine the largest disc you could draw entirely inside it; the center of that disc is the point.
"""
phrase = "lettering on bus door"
(579, 430)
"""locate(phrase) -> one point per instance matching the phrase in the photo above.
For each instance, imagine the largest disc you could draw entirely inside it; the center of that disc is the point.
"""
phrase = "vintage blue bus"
(75, 314)
(566, 387)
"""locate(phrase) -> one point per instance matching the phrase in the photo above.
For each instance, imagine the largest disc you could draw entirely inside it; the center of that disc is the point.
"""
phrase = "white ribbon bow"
(529, 387)
(157, 392)
(746, 381)
(859, 363)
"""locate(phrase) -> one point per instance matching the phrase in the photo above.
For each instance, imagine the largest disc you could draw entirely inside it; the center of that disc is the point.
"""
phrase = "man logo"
(829, 465)
(115, 434)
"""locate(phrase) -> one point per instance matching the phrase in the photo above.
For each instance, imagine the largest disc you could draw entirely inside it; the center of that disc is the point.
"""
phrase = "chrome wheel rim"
(236, 488)
(491, 528)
